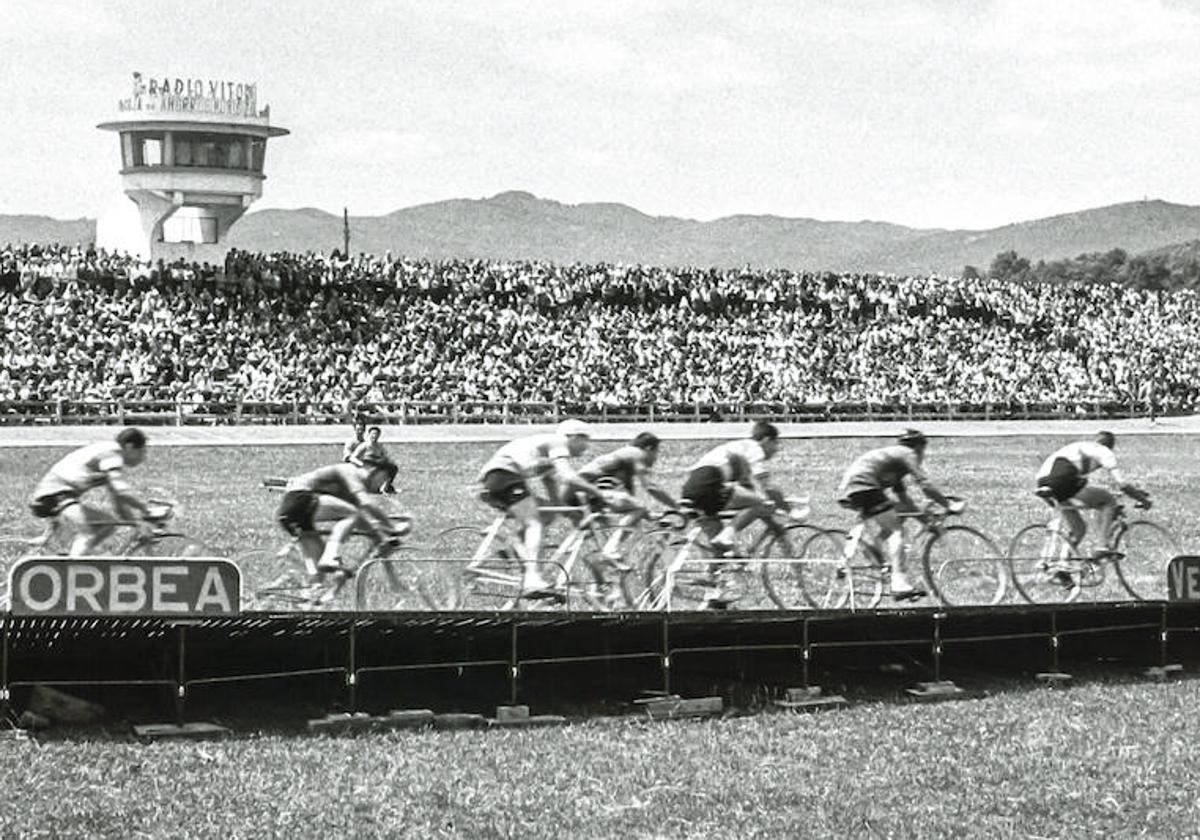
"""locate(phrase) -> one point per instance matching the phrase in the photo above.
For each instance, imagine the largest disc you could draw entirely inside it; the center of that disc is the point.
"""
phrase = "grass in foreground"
(1094, 761)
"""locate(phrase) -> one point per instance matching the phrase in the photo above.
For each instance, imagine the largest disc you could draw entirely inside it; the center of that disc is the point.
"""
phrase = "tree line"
(1175, 269)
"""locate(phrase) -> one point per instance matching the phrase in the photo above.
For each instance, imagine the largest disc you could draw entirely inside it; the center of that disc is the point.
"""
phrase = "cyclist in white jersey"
(59, 495)
(506, 476)
(734, 476)
(865, 489)
(1063, 478)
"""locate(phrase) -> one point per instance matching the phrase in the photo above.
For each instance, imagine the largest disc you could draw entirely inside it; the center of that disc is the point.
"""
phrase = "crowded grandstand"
(82, 324)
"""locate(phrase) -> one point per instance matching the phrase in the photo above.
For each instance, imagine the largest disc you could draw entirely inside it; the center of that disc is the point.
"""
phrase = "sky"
(927, 113)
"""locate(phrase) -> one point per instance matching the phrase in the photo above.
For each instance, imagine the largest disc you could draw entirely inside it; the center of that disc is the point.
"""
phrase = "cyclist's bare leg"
(85, 521)
(633, 513)
(1105, 505)
(750, 506)
(530, 527)
(345, 517)
(890, 536)
(312, 545)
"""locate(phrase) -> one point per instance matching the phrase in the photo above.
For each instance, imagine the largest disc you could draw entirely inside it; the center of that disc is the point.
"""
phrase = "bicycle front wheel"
(168, 545)
(679, 587)
(639, 555)
(963, 566)
(1044, 566)
(1147, 548)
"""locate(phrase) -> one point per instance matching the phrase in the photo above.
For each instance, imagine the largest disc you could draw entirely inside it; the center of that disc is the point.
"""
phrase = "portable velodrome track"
(304, 664)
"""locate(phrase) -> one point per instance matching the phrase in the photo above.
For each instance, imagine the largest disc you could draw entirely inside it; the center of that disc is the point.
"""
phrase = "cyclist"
(617, 475)
(1062, 481)
(338, 493)
(734, 476)
(370, 453)
(873, 487)
(505, 479)
(59, 495)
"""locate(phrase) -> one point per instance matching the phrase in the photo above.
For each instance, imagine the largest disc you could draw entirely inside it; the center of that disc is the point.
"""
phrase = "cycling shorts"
(1063, 480)
(50, 506)
(707, 490)
(868, 503)
(297, 511)
(502, 489)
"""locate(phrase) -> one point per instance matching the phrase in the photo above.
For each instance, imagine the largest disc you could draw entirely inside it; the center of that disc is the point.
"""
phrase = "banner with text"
(135, 586)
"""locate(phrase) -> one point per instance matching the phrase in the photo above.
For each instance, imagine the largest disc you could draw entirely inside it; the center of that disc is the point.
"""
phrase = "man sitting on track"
(544, 456)
(360, 433)
(338, 493)
(865, 489)
(370, 453)
(734, 476)
(617, 474)
(59, 495)
(1062, 479)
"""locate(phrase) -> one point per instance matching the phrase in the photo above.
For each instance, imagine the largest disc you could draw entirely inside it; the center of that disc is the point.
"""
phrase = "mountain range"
(518, 225)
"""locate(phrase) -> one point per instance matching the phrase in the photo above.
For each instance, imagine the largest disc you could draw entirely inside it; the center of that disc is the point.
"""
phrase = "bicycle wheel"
(1147, 548)
(862, 579)
(492, 583)
(963, 566)
(825, 582)
(168, 545)
(682, 587)
(1032, 555)
(635, 583)
(590, 584)
(783, 572)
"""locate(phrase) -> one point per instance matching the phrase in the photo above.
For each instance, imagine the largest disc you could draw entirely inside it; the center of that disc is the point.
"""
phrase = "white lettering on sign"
(25, 590)
(210, 96)
(134, 586)
(1185, 581)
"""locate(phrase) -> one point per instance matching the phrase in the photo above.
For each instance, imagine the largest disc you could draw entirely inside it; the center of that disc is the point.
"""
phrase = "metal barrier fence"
(303, 412)
(472, 661)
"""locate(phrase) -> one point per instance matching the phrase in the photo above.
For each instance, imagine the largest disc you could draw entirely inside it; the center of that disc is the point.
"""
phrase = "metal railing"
(169, 412)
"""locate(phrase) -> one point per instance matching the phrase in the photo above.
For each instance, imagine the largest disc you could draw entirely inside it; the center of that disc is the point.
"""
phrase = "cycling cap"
(1106, 439)
(912, 437)
(574, 427)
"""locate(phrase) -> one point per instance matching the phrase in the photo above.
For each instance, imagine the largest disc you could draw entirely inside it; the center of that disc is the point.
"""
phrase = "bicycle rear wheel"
(682, 588)
(635, 584)
(168, 545)
(1032, 556)
(963, 566)
(825, 577)
(1147, 548)
(785, 582)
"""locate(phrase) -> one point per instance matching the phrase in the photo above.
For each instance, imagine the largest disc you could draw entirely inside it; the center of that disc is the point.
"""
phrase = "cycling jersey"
(623, 465)
(529, 457)
(1082, 457)
(882, 469)
(741, 461)
(82, 470)
(342, 481)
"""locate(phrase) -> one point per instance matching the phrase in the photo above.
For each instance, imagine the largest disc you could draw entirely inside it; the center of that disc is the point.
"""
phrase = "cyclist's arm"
(568, 478)
(126, 504)
(930, 489)
(659, 495)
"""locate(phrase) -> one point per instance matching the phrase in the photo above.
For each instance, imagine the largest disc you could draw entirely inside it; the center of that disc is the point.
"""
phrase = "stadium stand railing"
(166, 412)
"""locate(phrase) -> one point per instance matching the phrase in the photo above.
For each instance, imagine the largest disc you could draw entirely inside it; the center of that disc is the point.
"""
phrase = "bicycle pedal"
(910, 595)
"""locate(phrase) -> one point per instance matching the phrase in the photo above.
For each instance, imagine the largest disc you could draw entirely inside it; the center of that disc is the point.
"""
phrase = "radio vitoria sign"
(195, 95)
(58, 586)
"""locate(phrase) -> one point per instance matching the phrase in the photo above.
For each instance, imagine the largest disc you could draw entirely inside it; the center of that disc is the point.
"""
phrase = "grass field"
(1099, 760)
(224, 506)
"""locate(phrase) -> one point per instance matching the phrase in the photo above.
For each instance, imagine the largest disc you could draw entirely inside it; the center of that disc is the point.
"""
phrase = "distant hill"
(518, 225)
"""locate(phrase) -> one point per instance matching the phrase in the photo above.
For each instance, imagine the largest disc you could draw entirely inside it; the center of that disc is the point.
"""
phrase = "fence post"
(178, 412)
(404, 412)
(507, 413)
(651, 412)
(697, 412)
(910, 411)
(295, 413)
(58, 411)
(554, 412)
(237, 411)
(121, 411)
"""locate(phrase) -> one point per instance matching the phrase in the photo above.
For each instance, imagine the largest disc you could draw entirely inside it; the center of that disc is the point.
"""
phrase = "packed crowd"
(80, 324)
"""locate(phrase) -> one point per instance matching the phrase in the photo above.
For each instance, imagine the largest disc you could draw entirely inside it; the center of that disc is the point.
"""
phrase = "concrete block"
(61, 707)
(459, 720)
(1053, 678)
(669, 708)
(407, 719)
(809, 699)
(508, 713)
(935, 690)
(198, 731)
(342, 722)
(532, 721)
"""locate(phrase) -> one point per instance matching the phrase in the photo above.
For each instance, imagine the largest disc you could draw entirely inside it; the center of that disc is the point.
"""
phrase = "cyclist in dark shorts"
(617, 474)
(873, 487)
(1063, 478)
(341, 494)
(734, 476)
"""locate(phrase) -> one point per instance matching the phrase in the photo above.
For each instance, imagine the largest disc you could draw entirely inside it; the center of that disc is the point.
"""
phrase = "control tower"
(192, 154)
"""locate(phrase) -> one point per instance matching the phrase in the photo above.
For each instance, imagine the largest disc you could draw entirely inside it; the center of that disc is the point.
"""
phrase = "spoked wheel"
(860, 584)
(824, 576)
(285, 586)
(814, 553)
(592, 584)
(169, 545)
(1147, 548)
(635, 584)
(964, 566)
(684, 587)
(1045, 567)
(13, 547)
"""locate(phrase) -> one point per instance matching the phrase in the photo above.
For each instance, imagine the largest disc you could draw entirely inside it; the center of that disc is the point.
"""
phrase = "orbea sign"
(58, 586)
(207, 96)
